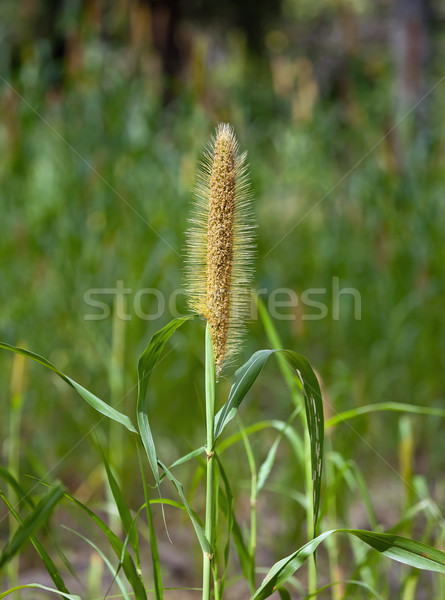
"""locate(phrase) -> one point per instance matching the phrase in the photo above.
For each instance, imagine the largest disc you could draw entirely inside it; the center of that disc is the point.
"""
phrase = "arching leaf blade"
(98, 404)
(243, 380)
(146, 364)
(404, 550)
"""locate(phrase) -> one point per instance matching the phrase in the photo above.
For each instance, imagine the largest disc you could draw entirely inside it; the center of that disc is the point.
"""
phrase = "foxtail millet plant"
(219, 269)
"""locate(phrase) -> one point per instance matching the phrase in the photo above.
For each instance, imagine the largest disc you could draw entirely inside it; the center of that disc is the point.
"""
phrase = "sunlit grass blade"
(98, 404)
(11, 480)
(146, 364)
(46, 559)
(290, 433)
(202, 538)
(382, 407)
(349, 472)
(157, 573)
(128, 565)
(31, 524)
(243, 380)
(266, 466)
(187, 457)
(350, 582)
(112, 569)
(400, 549)
(124, 511)
(39, 586)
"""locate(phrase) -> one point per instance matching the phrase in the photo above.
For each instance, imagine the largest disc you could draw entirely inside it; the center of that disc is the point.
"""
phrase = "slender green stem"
(210, 420)
(253, 505)
(312, 569)
(337, 591)
(15, 419)
(117, 389)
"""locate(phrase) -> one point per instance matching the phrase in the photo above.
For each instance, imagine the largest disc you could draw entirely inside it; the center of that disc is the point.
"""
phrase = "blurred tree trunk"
(413, 50)
(165, 21)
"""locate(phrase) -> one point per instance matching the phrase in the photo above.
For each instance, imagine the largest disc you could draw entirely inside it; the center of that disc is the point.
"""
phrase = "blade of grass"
(124, 511)
(11, 481)
(98, 404)
(157, 573)
(383, 407)
(312, 486)
(243, 380)
(46, 559)
(266, 466)
(349, 582)
(253, 498)
(128, 565)
(404, 550)
(39, 587)
(235, 530)
(31, 524)
(202, 538)
(288, 432)
(146, 365)
(112, 570)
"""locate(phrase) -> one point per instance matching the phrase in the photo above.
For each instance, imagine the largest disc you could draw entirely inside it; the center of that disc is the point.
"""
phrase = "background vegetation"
(105, 109)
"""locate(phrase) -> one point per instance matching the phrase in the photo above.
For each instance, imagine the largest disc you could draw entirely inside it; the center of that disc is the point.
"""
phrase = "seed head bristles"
(220, 244)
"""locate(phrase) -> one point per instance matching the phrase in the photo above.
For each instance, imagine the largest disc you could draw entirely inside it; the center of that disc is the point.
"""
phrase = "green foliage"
(96, 178)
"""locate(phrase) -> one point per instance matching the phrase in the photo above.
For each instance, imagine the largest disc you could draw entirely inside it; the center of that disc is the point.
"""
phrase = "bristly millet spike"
(220, 244)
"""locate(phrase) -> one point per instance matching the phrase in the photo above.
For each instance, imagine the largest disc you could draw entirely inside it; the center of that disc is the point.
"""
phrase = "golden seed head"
(220, 244)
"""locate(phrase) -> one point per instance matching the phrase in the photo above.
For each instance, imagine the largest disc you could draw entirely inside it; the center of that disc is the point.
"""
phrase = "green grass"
(67, 229)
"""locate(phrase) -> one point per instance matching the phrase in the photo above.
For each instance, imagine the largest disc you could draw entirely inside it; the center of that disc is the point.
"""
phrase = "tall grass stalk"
(210, 425)
(13, 457)
(253, 501)
(117, 391)
(219, 270)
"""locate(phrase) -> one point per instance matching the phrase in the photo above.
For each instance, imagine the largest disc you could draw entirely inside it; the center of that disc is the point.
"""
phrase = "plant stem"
(210, 419)
(13, 457)
(253, 503)
(312, 569)
(117, 387)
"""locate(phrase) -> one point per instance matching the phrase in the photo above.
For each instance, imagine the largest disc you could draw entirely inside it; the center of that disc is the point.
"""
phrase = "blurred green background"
(105, 108)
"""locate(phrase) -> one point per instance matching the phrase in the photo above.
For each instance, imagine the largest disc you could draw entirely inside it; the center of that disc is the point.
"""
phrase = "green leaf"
(113, 571)
(46, 559)
(31, 524)
(243, 380)
(266, 467)
(383, 407)
(21, 493)
(157, 573)
(350, 582)
(404, 550)
(128, 565)
(40, 587)
(202, 538)
(146, 364)
(98, 404)
(187, 457)
(235, 530)
(124, 511)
